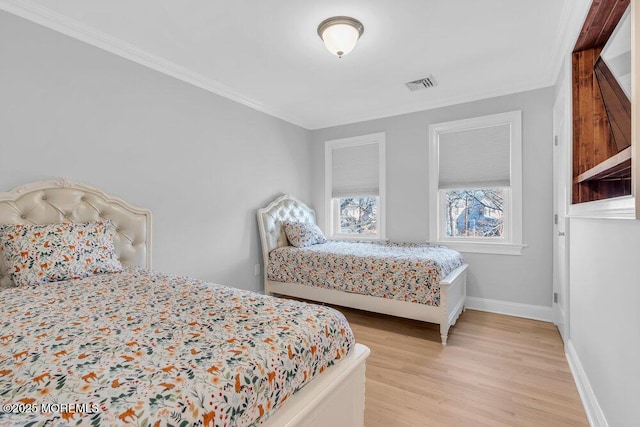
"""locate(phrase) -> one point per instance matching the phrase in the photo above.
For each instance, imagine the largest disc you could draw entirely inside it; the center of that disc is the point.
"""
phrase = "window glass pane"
(474, 213)
(358, 215)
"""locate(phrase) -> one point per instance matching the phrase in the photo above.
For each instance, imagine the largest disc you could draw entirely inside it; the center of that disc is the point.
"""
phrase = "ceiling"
(267, 54)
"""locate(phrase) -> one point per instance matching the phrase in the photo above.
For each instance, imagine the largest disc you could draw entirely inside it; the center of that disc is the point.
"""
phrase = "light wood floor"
(495, 371)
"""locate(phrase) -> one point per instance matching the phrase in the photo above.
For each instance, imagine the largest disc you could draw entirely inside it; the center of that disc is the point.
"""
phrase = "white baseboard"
(535, 312)
(589, 401)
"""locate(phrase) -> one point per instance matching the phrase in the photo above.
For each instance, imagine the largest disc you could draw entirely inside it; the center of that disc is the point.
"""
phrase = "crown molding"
(40, 15)
(573, 15)
(429, 105)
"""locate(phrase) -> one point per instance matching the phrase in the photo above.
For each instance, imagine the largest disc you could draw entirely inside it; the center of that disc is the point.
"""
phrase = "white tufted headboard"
(284, 208)
(62, 200)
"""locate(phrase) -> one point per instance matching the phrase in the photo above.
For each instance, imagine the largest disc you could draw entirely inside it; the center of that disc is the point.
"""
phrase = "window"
(473, 213)
(354, 187)
(357, 215)
(476, 184)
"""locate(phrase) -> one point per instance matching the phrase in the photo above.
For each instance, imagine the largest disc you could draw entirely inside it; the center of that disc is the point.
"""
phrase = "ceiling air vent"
(424, 83)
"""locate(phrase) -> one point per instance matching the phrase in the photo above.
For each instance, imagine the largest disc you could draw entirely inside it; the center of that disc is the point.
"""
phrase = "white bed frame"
(453, 288)
(333, 398)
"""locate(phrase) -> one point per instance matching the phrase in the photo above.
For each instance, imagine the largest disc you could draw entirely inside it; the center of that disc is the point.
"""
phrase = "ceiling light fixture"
(340, 34)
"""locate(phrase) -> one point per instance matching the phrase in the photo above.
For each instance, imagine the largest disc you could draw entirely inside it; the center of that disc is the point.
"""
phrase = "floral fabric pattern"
(37, 254)
(402, 271)
(153, 349)
(303, 234)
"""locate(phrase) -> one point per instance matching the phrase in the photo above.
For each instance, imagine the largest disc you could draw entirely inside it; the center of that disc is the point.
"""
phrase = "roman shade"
(355, 170)
(475, 158)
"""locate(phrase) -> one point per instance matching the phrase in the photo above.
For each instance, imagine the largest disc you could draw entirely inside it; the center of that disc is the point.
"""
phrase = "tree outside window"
(358, 215)
(474, 213)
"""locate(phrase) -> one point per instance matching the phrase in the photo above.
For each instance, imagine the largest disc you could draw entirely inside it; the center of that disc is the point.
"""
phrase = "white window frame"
(511, 243)
(331, 208)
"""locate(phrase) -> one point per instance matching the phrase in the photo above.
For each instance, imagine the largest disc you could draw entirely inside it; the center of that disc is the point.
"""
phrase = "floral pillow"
(301, 234)
(37, 254)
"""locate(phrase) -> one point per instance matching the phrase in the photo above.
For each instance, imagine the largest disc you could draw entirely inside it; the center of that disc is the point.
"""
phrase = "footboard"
(334, 398)
(453, 293)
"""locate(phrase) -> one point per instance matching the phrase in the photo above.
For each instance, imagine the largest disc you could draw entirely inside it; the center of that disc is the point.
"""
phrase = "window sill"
(482, 247)
(616, 208)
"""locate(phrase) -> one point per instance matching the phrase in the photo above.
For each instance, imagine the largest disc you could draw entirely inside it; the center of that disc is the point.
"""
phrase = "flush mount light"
(340, 34)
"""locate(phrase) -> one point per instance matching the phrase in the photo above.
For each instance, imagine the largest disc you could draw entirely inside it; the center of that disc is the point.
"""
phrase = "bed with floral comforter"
(401, 271)
(154, 349)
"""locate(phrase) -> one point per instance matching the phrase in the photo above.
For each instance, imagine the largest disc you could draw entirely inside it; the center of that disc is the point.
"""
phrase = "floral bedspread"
(402, 271)
(143, 348)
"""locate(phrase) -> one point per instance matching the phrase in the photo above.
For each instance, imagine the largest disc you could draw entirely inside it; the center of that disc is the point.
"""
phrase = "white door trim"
(561, 200)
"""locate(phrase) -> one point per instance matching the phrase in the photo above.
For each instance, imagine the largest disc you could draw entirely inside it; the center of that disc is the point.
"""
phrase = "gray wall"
(525, 279)
(605, 319)
(203, 164)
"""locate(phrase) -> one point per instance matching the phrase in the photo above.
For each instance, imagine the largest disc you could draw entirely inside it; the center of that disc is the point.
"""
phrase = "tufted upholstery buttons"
(285, 208)
(48, 202)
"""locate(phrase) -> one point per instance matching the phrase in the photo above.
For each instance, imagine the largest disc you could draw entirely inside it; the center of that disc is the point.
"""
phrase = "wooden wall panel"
(617, 104)
(601, 20)
(593, 142)
(578, 120)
